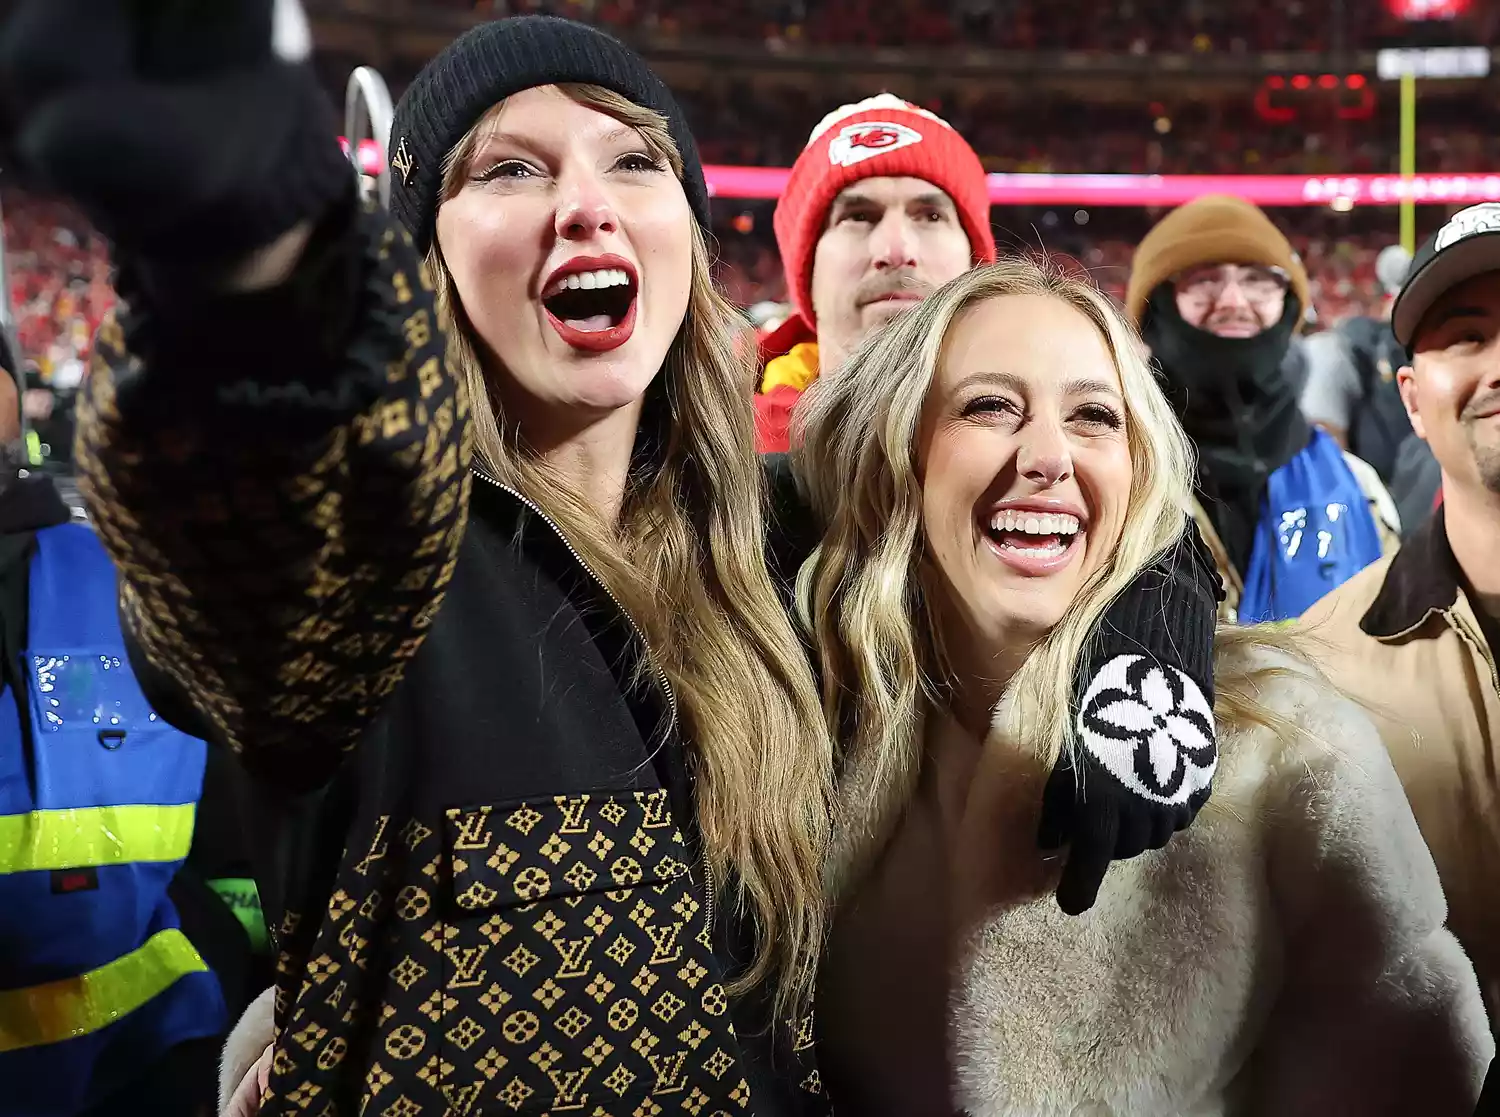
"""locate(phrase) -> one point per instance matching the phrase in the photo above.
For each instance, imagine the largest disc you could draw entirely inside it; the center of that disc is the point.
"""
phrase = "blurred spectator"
(59, 275)
(1353, 394)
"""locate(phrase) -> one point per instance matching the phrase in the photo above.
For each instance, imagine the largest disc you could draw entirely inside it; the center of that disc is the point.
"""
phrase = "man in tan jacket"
(1415, 636)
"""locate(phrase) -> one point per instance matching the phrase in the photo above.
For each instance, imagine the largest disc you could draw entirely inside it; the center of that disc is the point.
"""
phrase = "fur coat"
(1285, 955)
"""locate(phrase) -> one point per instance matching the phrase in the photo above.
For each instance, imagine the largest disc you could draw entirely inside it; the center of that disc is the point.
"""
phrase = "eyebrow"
(1088, 387)
(500, 138)
(1078, 386)
(935, 198)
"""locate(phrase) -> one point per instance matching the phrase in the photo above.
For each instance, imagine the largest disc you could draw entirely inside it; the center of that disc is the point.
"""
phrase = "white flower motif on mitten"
(1150, 727)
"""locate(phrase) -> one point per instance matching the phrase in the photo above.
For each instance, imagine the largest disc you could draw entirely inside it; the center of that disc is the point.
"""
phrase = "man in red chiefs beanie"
(885, 204)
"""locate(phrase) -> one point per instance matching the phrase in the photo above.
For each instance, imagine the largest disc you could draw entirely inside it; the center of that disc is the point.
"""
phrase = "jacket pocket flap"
(561, 846)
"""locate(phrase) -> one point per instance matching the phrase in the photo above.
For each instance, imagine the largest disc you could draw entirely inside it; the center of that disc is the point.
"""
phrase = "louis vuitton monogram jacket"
(479, 826)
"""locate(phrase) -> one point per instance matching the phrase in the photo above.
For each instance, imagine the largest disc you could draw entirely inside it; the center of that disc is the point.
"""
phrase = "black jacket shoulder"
(792, 531)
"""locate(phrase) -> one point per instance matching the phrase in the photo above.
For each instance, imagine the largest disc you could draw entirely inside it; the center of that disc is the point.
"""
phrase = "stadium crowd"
(60, 291)
(60, 280)
(59, 271)
(1112, 26)
(765, 125)
(1019, 127)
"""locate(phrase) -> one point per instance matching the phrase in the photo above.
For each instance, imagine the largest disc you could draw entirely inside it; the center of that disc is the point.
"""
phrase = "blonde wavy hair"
(864, 594)
(687, 561)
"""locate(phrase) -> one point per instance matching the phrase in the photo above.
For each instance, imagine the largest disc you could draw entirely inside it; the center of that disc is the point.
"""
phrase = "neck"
(973, 705)
(1471, 516)
(593, 459)
(981, 679)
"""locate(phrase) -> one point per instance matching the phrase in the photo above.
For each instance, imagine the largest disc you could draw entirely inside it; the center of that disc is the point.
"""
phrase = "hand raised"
(186, 131)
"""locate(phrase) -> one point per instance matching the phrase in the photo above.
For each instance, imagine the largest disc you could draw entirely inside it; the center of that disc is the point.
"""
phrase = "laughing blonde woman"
(990, 472)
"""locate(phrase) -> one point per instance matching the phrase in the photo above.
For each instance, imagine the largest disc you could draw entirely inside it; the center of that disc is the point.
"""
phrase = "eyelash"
(988, 404)
(1102, 415)
(1094, 413)
(645, 164)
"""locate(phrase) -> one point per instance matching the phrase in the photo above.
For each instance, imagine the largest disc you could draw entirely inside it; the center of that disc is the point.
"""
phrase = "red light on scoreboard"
(1270, 111)
(1283, 100)
(1416, 10)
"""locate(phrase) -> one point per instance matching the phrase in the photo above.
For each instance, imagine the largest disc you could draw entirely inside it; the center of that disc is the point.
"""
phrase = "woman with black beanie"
(559, 843)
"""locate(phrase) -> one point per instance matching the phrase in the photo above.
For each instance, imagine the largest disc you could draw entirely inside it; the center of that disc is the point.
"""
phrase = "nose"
(894, 243)
(584, 207)
(1044, 458)
(1232, 297)
(1489, 379)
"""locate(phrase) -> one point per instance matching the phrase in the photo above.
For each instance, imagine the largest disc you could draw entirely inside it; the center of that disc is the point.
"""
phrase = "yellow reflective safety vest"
(97, 799)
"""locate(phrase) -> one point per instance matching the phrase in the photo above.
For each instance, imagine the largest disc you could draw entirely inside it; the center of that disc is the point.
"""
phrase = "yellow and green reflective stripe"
(79, 1005)
(91, 836)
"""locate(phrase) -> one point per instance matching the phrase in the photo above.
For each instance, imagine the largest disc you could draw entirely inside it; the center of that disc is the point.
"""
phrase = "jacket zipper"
(661, 676)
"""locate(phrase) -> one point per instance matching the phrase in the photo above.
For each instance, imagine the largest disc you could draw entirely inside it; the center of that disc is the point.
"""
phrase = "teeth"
(589, 281)
(1051, 523)
(1047, 550)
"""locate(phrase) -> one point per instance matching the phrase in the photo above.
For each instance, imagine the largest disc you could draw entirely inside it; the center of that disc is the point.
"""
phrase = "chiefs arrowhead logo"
(857, 142)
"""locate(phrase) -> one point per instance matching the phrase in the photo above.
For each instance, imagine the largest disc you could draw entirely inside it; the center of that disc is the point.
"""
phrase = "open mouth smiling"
(591, 302)
(1032, 541)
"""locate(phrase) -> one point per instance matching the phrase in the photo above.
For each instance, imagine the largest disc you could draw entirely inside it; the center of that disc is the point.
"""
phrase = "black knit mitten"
(1144, 751)
(187, 132)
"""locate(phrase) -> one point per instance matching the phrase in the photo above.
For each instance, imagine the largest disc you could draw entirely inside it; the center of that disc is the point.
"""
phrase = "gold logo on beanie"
(402, 162)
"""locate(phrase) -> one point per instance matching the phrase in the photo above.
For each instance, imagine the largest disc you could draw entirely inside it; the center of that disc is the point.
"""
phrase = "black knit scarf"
(1238, 408)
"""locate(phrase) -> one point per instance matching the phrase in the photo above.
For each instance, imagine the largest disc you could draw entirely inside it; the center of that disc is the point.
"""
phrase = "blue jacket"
(1315, 533)
(97, 801)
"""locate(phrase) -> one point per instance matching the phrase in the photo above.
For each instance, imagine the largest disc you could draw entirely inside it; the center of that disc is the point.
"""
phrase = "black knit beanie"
(494, 60)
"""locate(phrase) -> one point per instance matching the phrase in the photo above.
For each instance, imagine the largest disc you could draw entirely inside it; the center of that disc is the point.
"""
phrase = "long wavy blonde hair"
(687, 561)
(864, 593)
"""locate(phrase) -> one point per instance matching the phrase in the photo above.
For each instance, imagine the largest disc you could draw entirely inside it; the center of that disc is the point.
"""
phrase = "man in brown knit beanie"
(1218, 294)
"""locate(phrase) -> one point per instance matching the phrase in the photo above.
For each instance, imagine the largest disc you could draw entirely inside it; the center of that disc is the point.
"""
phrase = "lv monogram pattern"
(327, 556)
(545, 957)
(590, 957)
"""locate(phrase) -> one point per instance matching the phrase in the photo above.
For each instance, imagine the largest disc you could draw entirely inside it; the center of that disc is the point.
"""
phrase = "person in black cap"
(1418, 634)
(557, 843)
(1351, 392)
